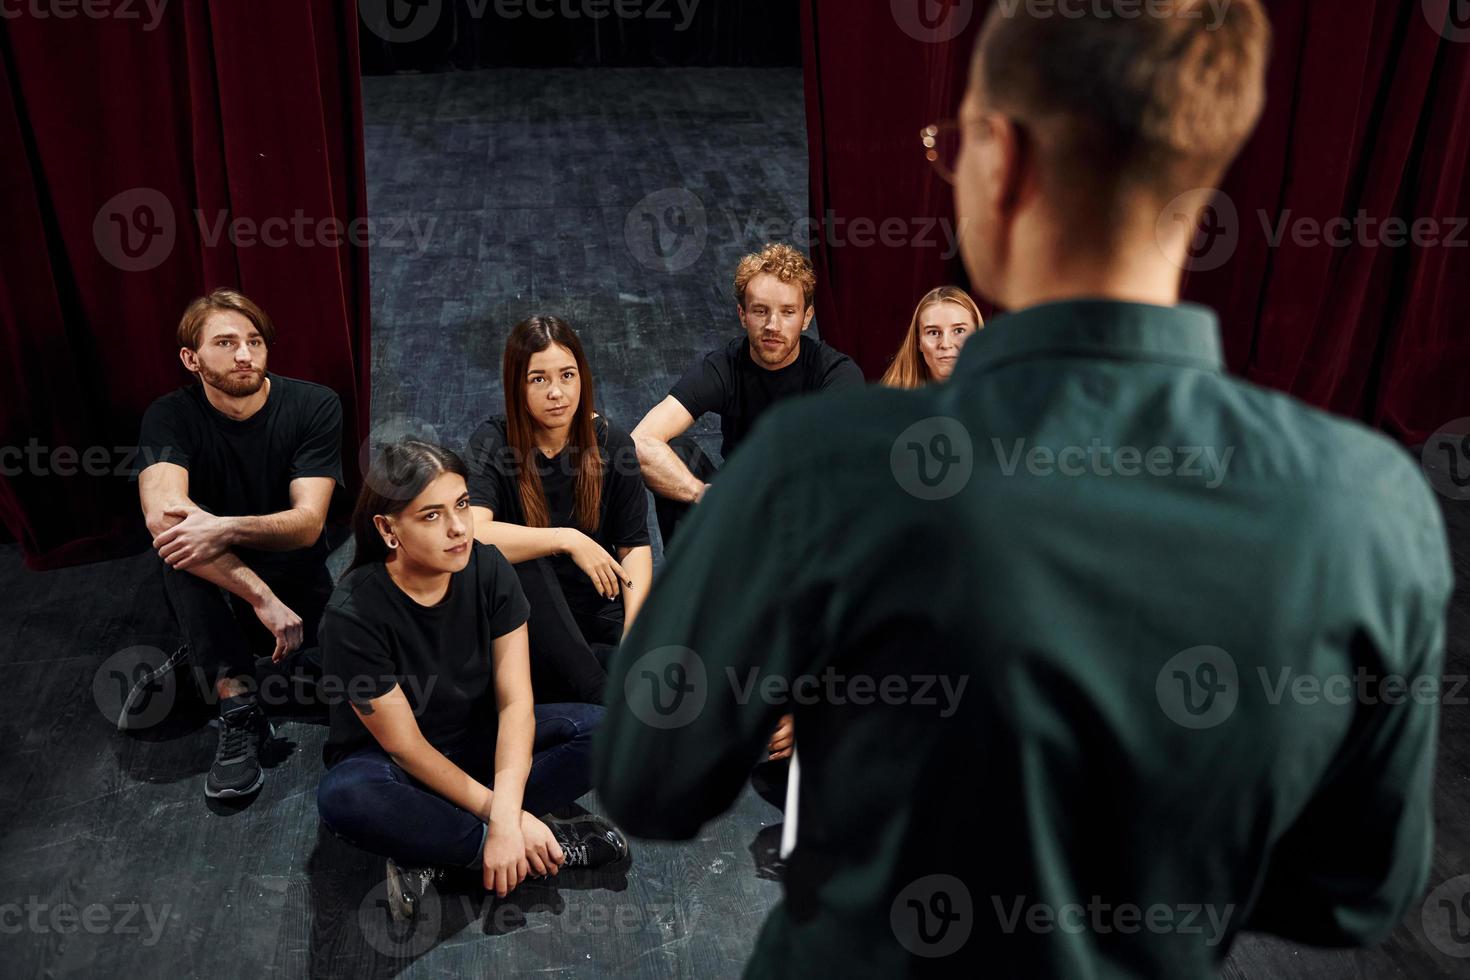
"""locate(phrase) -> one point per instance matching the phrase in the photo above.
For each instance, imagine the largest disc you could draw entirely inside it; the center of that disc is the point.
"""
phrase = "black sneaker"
(406, 889)
(589, 842)
(243, 728)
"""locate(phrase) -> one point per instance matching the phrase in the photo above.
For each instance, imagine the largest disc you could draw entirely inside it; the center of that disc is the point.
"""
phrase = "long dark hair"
(399, 473)
(532, 336)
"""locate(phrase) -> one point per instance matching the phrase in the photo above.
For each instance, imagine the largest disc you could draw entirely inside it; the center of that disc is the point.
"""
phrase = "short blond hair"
(1161, 102)
(191, 326)
(782, 261)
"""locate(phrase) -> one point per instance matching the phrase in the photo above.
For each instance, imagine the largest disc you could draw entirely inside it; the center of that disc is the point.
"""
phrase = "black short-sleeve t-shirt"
(374, 636)
(623, 519)
(730, 384)
(245, 467)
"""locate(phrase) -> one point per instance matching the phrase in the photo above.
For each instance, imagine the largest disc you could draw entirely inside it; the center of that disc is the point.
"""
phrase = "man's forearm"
(665, 473)
(285, 530)
(234, 576)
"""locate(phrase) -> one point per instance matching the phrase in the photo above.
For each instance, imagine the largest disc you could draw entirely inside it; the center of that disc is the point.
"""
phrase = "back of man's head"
(1127, 102)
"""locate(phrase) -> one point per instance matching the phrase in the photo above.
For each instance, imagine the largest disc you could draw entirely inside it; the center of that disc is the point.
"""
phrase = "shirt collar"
(1187, 335)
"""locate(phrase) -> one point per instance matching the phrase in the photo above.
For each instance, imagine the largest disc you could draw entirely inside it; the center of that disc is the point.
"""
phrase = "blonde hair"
(909, 369)
(191, 326)
(781, 261)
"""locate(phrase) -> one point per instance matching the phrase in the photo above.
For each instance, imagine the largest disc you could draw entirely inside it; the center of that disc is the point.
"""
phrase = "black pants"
(569, 646)
(223, 633)
(671, 512)
(768, 779)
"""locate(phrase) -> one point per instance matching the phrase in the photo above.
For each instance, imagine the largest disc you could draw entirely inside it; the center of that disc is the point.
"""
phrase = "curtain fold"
(144, 163)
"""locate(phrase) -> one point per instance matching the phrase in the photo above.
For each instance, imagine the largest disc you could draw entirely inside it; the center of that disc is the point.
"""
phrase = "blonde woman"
(944, 320)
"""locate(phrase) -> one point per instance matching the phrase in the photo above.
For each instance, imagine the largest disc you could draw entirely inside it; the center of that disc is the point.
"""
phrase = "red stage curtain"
(158, 131)
(1369, 111)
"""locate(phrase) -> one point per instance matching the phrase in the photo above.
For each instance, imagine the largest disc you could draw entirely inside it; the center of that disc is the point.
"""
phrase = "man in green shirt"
(1097, 655)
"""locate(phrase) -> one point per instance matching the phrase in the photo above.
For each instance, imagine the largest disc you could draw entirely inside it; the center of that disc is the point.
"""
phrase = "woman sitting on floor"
(573, 521)
(437, 757)
(944, 319)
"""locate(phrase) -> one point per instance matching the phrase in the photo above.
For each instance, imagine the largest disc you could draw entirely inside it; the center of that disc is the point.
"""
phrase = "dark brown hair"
(1160, 102)
(191, 325)
(398, 473)
(531, 336)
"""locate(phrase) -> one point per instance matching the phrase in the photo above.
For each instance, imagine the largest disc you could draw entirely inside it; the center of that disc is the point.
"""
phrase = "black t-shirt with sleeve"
(623, 519)
(729, 383)
(374, 635)
(241, 468)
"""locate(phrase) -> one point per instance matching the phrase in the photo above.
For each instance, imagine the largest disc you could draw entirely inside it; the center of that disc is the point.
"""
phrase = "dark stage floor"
(537, 184)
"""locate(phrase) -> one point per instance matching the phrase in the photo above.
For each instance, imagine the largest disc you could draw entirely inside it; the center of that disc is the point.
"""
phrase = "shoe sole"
(136, 693)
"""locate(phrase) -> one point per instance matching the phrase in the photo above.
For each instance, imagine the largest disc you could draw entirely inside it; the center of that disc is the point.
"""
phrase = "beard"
(234, 385)
(773, 356)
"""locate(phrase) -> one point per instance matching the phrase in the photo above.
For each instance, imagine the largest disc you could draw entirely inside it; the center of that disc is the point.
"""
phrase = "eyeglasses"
(942, 147)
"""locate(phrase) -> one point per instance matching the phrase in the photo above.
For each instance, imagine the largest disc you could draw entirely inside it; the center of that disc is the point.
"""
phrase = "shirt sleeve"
(320, 451)
(506, 604)
(356, 659)
(627, 505)
(678, 740)
(842, 372)
(704, 387)
(486, 462)
(165, 437)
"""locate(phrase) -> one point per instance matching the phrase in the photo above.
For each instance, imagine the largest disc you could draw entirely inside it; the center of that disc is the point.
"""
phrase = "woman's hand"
(607, 575)
(504, 858)
(543, 853)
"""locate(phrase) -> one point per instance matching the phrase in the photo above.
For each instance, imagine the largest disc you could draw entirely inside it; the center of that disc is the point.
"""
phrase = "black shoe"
(406, 889)
(589, 842)
(243, 728)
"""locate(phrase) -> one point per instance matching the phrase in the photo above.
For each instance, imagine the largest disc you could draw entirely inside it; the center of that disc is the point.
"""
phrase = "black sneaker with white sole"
(589, 841)
(243, 729)
(406, 889)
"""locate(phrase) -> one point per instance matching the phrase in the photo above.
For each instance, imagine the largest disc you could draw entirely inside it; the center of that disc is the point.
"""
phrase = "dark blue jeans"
(367, 800)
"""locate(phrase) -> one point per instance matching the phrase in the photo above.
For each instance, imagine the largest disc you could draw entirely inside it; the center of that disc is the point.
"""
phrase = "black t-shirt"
(623, 519)
(729, 383)
(245, 468)
(374, 636)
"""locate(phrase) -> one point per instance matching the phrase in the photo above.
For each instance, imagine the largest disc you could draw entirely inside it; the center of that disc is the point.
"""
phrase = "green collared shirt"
(1098, 656)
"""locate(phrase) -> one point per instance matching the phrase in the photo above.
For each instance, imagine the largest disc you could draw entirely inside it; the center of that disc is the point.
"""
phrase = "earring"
(393, 543)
